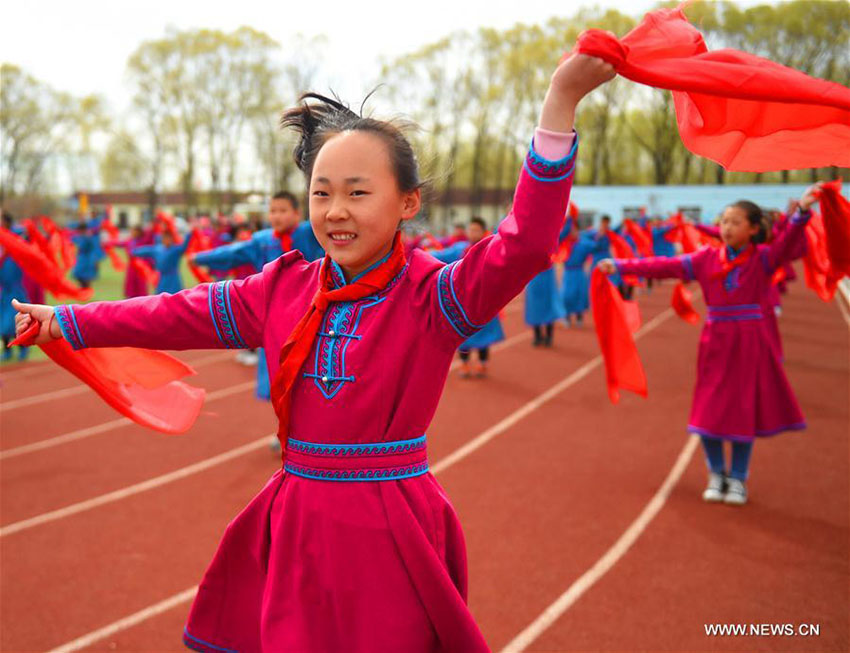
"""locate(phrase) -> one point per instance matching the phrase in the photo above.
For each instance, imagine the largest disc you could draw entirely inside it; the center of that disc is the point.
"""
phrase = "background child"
(488, 334)
(741, 390)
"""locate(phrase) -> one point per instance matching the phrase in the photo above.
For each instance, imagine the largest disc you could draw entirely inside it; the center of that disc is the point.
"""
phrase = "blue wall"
(663, 200)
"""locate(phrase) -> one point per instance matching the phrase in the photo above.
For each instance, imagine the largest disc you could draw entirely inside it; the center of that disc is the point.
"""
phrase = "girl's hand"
(809, 197)
(607, 266)
(575, 77)
(43, 314)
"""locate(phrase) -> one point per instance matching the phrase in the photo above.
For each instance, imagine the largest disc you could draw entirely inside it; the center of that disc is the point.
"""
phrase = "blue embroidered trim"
(362, 449)
(800, 217)
(799, 426)
(76, 326)
(189, 636)
(222, 314)
(340, 335)
(545, 170)
(389, 474)
(689, 267)
(230, 313)
(330, 379)
(212, 312)
(537, 159)
(735, 318)
(72, 335)
(733, 307)
(329, 360)
(732, 280)
(337, 275)
(449, 304)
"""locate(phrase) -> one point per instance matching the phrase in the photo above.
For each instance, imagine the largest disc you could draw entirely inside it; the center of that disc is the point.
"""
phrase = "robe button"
(331, 332)
(324, 379)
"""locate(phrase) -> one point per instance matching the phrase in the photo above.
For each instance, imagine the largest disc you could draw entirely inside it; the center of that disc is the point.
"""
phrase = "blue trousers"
(741, 452)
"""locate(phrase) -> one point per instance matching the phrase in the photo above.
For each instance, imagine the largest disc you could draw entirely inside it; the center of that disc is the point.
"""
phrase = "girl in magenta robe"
(741, 391)
(353, 545)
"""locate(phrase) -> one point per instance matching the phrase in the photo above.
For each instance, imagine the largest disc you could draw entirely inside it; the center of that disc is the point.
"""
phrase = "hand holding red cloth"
(623, 368)
(140, 384)
(835, 210)
(743, 111)
(682, 304)
(38, 266)
(642, 240)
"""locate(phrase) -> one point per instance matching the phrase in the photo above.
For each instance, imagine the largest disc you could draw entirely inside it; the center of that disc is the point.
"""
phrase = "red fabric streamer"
(38, 239)
(140, 384)
(681, 301)
(817, 269)
(684, 233)
(835, 210)
(623, 368)
(117, 262)
(642, 240)
(198, 242)
(39, 267)
(145, 270)
(620, 248)
(166, 221)
(745, 112)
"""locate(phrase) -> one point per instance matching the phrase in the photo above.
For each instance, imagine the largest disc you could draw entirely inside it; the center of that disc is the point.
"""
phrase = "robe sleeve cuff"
(550, 170)
(68, 325)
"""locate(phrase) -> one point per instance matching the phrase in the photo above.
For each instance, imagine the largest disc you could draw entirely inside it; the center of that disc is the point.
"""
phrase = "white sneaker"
(714, 491)
(736, 492)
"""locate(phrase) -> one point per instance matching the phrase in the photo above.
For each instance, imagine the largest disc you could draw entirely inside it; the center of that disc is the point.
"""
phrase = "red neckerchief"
(297, 346)
(727, 266)
(285, 238)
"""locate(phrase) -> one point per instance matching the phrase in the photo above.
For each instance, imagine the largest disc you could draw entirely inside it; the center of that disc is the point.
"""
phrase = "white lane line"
(534, 404)
(574, 592)
(82, 387)
(127, 622)
(131, 490)
(107, 426)
(442, 465)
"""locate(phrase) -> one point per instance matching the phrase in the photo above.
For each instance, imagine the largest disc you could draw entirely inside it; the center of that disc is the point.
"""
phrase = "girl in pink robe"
(741, 391)
(353, 545)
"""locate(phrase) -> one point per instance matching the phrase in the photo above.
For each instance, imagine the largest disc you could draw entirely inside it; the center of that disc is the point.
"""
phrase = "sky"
(82, 46)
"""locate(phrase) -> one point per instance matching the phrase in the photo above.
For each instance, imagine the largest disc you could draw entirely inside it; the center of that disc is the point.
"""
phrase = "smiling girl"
(741, 390)
(352, 545)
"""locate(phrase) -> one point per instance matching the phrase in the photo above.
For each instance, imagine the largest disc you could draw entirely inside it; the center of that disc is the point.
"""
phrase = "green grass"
(109, 286)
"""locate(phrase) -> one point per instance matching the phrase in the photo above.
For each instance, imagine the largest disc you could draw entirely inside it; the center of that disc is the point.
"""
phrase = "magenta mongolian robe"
(741, 389)
(353, 545)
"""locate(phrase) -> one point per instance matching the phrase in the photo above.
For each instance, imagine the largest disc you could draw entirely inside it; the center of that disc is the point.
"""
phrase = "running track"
(584, 526)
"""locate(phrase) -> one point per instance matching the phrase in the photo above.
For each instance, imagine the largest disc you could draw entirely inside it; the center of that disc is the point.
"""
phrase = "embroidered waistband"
(734, 313)
(371, 461)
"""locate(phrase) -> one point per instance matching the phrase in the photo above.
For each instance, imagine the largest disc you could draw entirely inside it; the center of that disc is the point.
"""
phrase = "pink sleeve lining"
(552, 145)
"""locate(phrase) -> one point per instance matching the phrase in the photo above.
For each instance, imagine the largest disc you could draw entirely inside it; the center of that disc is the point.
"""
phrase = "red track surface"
(540, 502)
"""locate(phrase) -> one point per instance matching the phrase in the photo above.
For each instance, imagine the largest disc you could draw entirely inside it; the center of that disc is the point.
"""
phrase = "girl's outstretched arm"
(790, 243)
(654, 267)
(472, 290)
(227, 314)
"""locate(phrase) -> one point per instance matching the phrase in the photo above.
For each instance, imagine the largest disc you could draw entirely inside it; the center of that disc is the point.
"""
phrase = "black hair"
(8, 220)
(755, 216)
(605, 218)
(316, 122)
(286, 195)
(479, 221)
